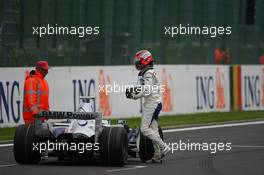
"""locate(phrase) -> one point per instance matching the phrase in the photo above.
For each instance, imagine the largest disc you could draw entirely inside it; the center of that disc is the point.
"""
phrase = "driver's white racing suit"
(150, 89)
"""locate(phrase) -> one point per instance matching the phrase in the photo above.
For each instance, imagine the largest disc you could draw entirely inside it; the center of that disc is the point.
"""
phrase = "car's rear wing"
(41, 131)
(69, 115)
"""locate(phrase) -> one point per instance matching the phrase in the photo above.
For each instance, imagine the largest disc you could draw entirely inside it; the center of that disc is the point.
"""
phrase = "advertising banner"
(252, 87)
(187, 89)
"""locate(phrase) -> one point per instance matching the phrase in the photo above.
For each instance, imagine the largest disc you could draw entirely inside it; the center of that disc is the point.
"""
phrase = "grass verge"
(175, 120)
(202, 118)
(7, 133)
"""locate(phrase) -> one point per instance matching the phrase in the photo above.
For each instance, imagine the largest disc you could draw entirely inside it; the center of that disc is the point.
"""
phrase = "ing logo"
(210, 91)
(166, 80)
(262, 86)
(220, 90)
(104, 97)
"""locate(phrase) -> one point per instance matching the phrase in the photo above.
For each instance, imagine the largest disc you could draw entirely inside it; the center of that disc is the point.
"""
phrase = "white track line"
(213, 126)
(8, 165)
(248, 146)
(125, 169)
(6, 145)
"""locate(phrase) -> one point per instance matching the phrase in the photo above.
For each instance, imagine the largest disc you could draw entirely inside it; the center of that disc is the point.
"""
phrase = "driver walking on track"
(36, 92)
(149, 88)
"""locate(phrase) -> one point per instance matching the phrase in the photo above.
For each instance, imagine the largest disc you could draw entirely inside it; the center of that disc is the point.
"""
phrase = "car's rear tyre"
(114, 146)
(23, 145)
(146, 149)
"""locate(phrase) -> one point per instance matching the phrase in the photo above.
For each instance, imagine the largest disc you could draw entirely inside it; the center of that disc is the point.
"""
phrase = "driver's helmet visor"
(137, 64)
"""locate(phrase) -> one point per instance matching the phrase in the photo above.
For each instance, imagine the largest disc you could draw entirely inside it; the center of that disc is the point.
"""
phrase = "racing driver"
(149, 88)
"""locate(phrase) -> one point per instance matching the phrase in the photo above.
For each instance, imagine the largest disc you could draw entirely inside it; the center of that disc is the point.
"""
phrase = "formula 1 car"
(80, 135)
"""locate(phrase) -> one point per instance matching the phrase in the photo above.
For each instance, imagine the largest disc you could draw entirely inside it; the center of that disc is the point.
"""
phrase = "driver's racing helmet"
(142, 59)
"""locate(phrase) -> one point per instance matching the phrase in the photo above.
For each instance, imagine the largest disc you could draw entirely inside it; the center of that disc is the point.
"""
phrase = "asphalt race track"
(245, 158)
